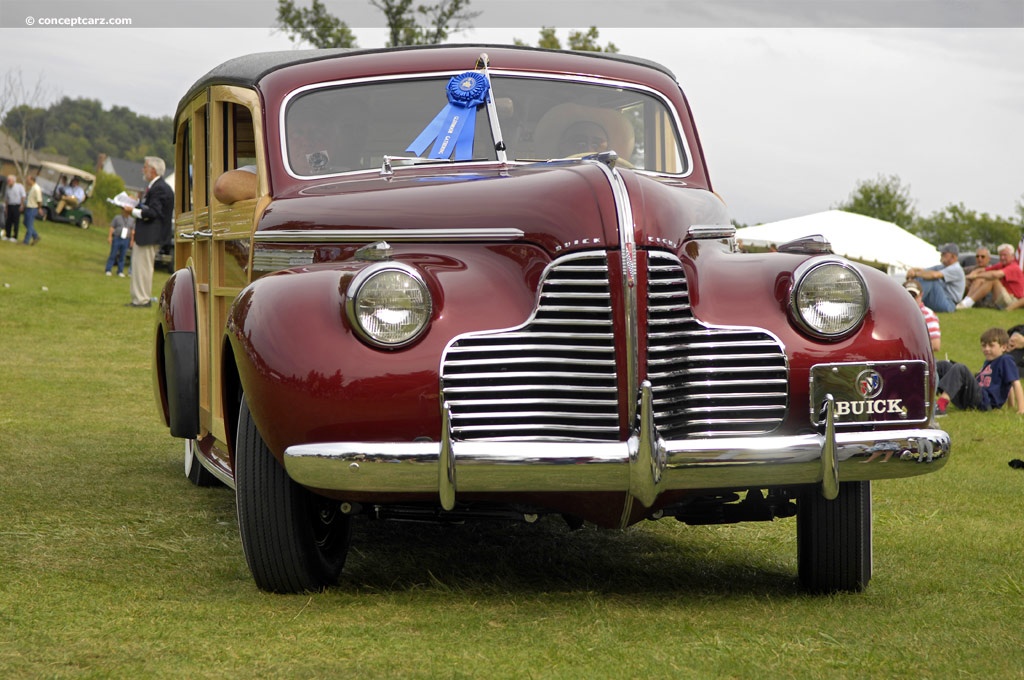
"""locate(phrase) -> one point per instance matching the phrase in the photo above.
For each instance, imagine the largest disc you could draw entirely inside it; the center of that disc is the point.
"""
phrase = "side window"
(234, 153)
(197, 168)
(190, 159)
(184, 145)
(238, 137)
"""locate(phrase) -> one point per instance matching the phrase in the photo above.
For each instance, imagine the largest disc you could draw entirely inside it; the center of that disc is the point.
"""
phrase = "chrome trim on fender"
(400, 235)
(710, 231)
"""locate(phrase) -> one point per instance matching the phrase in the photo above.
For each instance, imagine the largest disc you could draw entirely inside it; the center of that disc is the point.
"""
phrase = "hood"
(558, 206)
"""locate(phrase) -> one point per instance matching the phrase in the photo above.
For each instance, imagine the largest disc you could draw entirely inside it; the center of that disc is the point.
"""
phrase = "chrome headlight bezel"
(805, 304)
(361, 285)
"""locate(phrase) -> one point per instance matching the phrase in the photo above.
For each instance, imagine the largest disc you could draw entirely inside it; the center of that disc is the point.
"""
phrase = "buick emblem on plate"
(869, 383)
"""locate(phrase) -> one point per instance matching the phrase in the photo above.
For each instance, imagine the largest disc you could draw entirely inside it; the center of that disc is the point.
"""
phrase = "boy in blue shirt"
(997, 382)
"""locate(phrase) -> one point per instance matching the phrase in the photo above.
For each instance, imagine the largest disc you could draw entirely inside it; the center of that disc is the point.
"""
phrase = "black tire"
(833, 539)
(194, 470)
(85, 223)
(294, 541)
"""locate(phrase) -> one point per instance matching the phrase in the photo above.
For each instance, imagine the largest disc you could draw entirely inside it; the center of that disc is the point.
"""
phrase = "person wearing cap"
(931, 320)
(942, 286)
(1003, 280)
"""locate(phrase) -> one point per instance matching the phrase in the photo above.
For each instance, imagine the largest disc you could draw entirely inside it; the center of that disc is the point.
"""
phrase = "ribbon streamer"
(453, 127)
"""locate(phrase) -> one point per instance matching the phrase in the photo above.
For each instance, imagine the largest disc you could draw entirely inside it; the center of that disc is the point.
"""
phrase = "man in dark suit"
(153, 227)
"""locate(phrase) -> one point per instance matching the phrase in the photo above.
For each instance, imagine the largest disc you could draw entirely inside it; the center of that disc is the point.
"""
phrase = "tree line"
(887, 198)
(81, 129)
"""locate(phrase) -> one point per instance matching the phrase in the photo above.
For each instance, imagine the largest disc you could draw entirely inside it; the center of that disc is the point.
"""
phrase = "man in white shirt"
(15, 198)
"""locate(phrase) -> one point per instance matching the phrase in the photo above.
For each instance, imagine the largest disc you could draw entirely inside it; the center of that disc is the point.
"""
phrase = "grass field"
(113, 565)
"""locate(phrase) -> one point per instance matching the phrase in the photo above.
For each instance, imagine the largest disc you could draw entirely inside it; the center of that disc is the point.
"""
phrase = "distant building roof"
(11, 150)
(129, 171)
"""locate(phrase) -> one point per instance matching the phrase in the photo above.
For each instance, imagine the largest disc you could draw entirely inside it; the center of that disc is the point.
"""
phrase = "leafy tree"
(967, 228)
(884, 198)
(314, 25)
(578, 40)
(442, 19)
(107, 186)
(21, 113)
(407, 24)
(81, 130)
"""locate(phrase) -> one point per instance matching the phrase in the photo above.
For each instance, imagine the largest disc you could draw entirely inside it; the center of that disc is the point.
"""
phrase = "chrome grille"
(708, 381)
(552, 378)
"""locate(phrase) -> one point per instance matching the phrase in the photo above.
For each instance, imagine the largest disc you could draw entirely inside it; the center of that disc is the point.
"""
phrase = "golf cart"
(53, 175)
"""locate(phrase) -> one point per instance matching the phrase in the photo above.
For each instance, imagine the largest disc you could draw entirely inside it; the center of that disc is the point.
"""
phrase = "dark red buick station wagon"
(475, 282)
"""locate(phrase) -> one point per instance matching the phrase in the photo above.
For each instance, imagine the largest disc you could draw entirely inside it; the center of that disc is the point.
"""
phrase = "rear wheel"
(294, 541)
(85, 223)
(833, 539)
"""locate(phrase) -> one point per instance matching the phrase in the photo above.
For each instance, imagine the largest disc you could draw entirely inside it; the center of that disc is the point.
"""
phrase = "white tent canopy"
(854, 236)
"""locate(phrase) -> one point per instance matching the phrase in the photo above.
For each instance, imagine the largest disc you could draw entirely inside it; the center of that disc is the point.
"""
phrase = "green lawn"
(113, 565)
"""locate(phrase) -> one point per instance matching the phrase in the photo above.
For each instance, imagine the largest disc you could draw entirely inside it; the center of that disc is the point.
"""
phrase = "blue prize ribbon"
(449, 130)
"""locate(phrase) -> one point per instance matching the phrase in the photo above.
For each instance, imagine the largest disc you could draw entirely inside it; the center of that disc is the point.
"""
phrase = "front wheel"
(833, 539)
(85, 223)
(294, 541)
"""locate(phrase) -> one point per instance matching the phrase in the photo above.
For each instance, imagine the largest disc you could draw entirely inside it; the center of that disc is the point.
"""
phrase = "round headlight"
(829, 299)
(389, 304)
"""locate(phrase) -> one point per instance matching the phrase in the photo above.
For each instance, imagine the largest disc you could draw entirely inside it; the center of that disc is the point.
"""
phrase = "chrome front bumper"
(644, 466)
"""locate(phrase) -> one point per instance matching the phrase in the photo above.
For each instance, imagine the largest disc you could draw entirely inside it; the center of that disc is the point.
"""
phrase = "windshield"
(337, 129)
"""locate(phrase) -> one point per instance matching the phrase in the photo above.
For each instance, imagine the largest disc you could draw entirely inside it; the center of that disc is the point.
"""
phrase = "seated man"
(942, 285)
(236, 185)
(1004, 280)
(73, 197)
(982, 259)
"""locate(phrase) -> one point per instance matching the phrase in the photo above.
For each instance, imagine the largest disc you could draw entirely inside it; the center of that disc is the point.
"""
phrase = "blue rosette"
(453, 127)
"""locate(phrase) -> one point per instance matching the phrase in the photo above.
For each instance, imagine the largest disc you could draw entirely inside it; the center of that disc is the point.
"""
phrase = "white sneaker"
(121, 275)
(108, 273)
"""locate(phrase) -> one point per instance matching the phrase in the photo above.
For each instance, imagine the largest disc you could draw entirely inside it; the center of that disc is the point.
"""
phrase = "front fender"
(307, 375)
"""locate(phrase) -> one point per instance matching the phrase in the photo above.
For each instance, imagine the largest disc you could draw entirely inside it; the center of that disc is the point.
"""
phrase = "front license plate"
(871, 392)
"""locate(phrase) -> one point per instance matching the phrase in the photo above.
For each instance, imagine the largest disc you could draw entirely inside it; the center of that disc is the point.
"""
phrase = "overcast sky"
(793, 108)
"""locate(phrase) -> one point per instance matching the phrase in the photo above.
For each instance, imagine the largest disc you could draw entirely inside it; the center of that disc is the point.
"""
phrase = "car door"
(217, 132)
